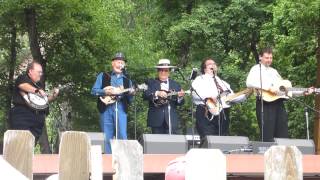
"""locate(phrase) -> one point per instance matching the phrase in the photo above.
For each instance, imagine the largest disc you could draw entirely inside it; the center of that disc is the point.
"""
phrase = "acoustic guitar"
(215, 107)
(284, 91)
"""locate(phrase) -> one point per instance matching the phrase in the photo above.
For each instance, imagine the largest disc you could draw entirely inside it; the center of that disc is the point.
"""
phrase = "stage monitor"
(97, 138)
(304, 145)
(164, 144)
(259, 147)
(228, 144)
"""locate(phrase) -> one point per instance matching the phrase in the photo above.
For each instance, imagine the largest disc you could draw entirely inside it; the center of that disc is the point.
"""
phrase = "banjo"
(38, 102)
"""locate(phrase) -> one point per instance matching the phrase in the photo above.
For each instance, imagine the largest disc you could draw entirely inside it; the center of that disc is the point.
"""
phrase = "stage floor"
(239, 166)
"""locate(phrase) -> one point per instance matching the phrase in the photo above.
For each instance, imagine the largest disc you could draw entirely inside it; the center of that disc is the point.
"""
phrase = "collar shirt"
(117, 79)
(269, 77)
(165, 85)
(206, 87)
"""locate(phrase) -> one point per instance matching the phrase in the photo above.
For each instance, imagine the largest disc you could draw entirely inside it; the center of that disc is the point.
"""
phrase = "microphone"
(122, 67)
(175, 69)
(193, 74)
(214, 73)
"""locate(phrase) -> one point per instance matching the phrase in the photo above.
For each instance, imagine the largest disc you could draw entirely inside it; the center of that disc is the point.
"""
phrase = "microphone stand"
(307, 121)
(262, 108)
(306, 107)
(192, 116)
(169, 114)
(126, 75)
(116, 117)
(220, 102)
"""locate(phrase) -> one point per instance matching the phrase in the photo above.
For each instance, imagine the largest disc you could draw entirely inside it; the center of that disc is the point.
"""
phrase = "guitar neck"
(125, 90)
(230, 97)
(298, 89)
(174, 93)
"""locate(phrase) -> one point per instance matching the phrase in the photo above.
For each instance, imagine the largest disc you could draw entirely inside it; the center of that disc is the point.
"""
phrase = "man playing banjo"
(23, 116)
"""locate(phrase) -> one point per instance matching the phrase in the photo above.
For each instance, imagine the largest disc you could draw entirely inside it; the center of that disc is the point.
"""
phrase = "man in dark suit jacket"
(162, 115)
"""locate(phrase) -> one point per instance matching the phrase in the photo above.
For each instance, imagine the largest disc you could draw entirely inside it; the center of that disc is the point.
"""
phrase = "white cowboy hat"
(164, 64)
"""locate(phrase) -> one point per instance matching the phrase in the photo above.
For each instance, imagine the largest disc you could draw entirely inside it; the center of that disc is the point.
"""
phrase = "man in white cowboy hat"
(107, 84)
(164, 95)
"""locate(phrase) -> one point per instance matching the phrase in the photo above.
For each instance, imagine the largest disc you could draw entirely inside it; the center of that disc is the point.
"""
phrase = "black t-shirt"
(24, 78)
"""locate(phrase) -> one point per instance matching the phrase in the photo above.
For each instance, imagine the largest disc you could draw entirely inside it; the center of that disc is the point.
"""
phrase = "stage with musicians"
(164, 151)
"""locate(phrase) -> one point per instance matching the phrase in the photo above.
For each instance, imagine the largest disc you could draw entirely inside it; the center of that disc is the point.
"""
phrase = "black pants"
(164, 129)
(275, 120)
(24, 118)
(218, 123)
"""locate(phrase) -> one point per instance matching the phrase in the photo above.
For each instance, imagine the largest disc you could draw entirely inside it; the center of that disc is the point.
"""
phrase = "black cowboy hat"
(119, 56)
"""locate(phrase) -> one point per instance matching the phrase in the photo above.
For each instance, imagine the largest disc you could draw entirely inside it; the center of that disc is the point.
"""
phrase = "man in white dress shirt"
(209, 85)
(275, 117)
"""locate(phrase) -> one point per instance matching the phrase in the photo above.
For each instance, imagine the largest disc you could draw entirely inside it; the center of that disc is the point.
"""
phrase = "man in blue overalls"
(112, 103)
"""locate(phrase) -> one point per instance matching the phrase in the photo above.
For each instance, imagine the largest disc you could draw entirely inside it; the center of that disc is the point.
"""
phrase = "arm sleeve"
(24, 79)
(96, 89)
(252, 79)
(129, 96)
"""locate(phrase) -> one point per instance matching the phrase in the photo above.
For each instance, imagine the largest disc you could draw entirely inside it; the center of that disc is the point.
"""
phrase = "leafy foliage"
(79, 38)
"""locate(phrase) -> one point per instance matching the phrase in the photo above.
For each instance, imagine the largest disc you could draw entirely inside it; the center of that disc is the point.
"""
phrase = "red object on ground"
(176, 168)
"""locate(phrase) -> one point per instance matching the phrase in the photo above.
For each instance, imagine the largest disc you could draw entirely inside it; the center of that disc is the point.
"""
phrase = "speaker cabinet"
(227, 144)
(259, 147)
(164, 144)
(304, 145)
(97, 138)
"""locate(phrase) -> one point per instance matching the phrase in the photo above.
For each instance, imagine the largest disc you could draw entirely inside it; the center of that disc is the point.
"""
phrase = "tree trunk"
(317, 98)
(253, 47)
(185, 46)
(31, 22)
(12, 64)
(64, 124)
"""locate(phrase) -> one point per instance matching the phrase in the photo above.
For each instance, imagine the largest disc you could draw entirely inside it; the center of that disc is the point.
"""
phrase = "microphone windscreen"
(193, 74)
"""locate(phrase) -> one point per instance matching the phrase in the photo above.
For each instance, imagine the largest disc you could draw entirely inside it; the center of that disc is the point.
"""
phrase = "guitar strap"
(219, 87)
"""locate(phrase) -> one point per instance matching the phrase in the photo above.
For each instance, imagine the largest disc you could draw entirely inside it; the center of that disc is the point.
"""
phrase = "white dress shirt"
(269, 77)
(205, 86)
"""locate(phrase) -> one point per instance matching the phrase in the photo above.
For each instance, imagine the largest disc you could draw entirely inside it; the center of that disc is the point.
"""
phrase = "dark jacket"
(157, 115)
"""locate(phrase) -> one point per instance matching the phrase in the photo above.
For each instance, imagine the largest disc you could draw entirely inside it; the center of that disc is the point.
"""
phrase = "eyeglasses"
(163, 70)
(39, 72)
(211, 64)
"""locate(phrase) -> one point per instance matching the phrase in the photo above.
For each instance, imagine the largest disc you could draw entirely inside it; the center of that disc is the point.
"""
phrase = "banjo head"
(38, 102)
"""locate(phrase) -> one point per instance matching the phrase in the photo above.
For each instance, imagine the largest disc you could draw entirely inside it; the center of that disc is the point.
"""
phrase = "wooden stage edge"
(237, 164)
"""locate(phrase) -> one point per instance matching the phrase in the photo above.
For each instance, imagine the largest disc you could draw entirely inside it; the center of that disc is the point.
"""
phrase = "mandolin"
(161, 101)
(110, 99)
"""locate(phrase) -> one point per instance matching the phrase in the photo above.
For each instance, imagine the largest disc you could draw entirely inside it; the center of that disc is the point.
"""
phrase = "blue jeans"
(108, 124)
